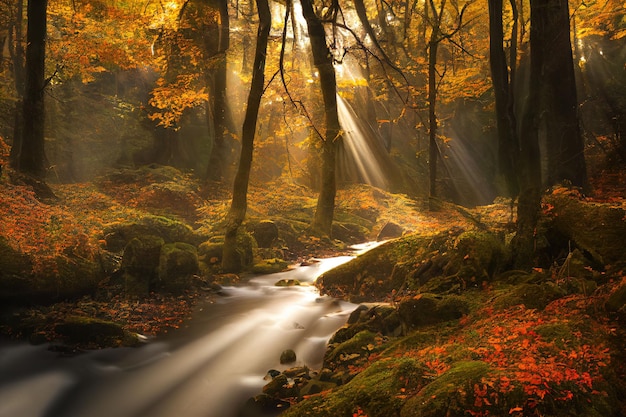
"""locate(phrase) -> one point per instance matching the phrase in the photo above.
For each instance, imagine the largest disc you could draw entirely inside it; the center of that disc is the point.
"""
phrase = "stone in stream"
(288, 356)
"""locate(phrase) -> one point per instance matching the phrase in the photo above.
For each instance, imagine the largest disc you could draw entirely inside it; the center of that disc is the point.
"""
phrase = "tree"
(559, 104)
(503, 81)
(31, 158)
(437, 35)
(323, 61)
(231, 259)
(217, 83)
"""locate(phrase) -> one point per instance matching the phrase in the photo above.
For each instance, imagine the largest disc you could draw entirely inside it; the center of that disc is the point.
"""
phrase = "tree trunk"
(220, 103)
(323, 61)
(231, 260)
(565, 146)
(31, 155)
(433, 149)
(529, 202)
(505, 117)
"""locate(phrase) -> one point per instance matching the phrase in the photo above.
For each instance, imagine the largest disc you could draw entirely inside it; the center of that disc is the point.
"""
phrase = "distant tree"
(323, 61)
(231, 259)
(30, 155)
(217, 88)
(437, 35)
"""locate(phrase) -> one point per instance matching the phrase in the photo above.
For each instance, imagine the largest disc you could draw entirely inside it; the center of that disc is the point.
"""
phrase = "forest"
(157, 157)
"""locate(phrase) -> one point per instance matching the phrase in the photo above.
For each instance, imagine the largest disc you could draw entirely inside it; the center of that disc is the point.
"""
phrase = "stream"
(207, 369)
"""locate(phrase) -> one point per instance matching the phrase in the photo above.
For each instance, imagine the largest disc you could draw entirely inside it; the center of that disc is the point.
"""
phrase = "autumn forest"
(169, 168)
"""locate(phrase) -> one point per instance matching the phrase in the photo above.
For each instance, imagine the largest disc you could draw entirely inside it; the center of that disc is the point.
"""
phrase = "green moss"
(559, 333)
(351, 348)
(92, 332)
(270, 266)
(447, 394)
(536, 296)
(377, 391)
(177, 263)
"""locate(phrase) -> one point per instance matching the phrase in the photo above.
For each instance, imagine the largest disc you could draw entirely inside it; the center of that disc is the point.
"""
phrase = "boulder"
(287, 356)
(265, 233)
(178, 262)
(426, 309)
(390, 231)
(117, 235)
(94, 333)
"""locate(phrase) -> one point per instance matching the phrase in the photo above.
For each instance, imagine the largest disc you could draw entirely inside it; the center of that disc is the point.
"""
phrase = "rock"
(531, 295)
(94, 333)
(349, 232)
(280, 387)
(118, 235)
(177, 263)
(287, 283)
(211, 252)
(265, 233)
(270, 266)
(596, 229)
(616, 302)
(64, 276)
(426, 309)
(141, 255)
(390, 231)
(287, 356)
(448, 392)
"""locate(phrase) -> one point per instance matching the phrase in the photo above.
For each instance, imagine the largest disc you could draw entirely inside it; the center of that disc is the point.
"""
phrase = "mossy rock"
(178, 262)
(65, 276)
(94, 333)
(427, 309)
(118, 235)
(270, 266)
(348, 351)
(142, 254)
(377, 391)
(536, 296)
(242, 256)
(371, 276)
(390, 231)
(596, 229)
(265, 232)
(349, 232)
(477, 257)
(616, 302)
(447, 395)
(287, 283)
(288, 356)
(280, 387)
(211, 252)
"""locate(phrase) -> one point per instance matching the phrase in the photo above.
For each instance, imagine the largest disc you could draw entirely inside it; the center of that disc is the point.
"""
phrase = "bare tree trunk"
(530, 159)
(16, 50)
(220, 103)
(565, 146)
(433, 149)
(323, 61)
(231, 259)
(31, 154)
(505, 117)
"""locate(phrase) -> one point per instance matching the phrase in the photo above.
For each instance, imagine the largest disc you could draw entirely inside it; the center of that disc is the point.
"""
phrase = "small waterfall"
(362, 157)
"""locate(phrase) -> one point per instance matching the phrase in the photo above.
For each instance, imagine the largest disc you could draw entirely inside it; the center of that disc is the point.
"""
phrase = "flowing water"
(208, 369)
